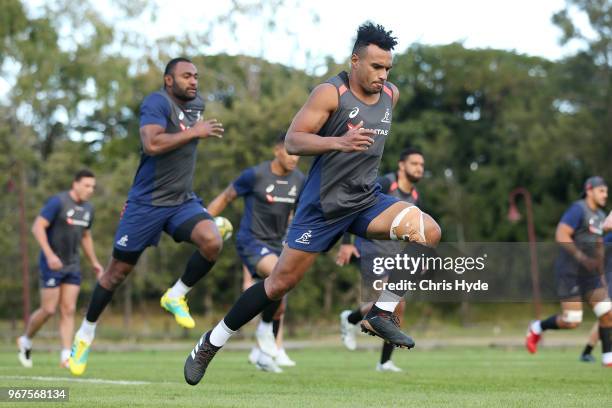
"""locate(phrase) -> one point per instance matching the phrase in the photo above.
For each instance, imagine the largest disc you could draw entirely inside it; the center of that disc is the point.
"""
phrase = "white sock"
(220, 334)
(606, 358)
(87, 331)
(264, 327)
(25, 341)
(65, 355)
(388, 301)
(536, 327)
(179, 289)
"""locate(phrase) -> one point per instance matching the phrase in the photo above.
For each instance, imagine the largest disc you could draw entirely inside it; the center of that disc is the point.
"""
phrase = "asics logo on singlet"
(354, 112)
(123, 241)
(305, 238)
(264, 251)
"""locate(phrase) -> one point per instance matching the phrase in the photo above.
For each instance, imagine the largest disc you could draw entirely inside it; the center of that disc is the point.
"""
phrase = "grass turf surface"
(453, 377)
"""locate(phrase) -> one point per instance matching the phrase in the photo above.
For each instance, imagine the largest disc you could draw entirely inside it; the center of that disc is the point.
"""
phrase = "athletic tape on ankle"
(603, 307)
(572, 316)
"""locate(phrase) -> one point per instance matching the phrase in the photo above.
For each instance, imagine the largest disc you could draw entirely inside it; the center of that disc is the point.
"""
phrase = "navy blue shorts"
(141, 225)
(311, 232)
(53, 279)
(573, 280)
(252, 251)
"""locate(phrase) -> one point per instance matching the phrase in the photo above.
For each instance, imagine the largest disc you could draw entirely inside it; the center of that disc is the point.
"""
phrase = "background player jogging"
(579, 269)
(344, 124)
(270, 190)
(161, 199)
(63, 225)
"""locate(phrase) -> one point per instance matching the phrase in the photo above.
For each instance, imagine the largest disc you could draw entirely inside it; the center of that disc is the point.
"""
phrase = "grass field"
(329, 377)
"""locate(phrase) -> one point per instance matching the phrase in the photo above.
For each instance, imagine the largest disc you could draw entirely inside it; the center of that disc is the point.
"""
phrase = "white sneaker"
(283, 360)
(25, 351)
(254, 355)
(266, 342)
(389, 367)
(266, 363)
(347, 331)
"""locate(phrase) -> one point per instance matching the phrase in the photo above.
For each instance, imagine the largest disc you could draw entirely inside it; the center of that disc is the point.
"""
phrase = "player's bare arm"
(302, 138)
(219, 203)
(88, 248)
(156, 141)
(39, 230)
(563, 236)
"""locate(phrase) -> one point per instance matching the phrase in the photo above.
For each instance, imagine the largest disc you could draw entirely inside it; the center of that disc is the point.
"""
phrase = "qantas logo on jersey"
(383, 132)
(275, 199)
(78, 223)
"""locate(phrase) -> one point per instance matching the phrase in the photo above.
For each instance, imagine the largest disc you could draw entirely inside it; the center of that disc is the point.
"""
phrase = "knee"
(209, 243)
(277, 287)
(603, 311)
(414, 225)
(48, 310)
(570, 319)
(433, 232)
(68, 310)
(113, 277)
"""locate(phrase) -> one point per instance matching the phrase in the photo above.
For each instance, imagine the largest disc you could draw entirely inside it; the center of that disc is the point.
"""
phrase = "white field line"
(79, 380)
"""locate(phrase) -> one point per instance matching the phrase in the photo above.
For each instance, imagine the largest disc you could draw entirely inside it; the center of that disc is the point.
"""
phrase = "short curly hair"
(370, 33)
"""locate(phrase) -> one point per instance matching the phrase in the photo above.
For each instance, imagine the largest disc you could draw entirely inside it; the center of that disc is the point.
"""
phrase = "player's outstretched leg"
(569, 319)
(116, 273)
(288, 271)
(404, 222)
(205, 236)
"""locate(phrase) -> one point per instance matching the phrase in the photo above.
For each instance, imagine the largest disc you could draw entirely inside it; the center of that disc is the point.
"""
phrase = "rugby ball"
(225, 227)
